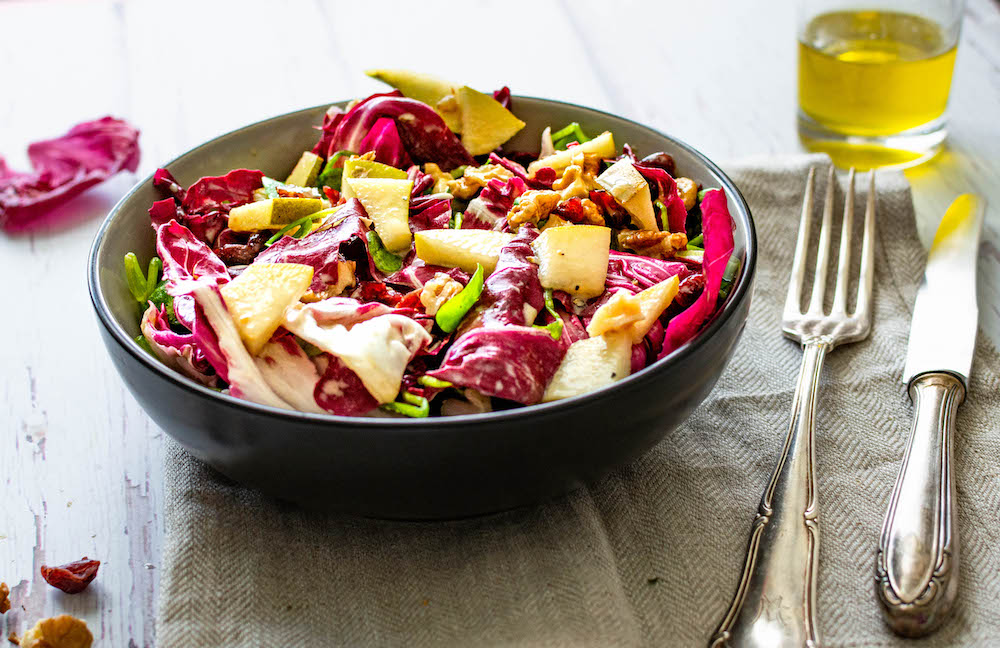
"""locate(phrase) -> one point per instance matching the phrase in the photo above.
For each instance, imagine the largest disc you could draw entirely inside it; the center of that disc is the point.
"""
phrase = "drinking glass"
(874, 81)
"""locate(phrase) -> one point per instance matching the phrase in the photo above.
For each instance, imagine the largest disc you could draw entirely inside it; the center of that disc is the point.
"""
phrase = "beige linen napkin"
(651, 555)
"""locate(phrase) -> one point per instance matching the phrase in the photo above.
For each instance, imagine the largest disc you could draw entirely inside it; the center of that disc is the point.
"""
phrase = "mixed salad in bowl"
(411, 265)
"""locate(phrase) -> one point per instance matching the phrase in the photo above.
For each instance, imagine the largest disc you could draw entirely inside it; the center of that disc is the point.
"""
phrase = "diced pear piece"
(574, 259)
(387, 203)
(462, 248)
(486, 124)
(653, 301)
(305, 171)
(602, 146)
(258, 297)
(630, 189)
(426, 88)
(591, 364)
(616, 314)
(633, 315)
(355, 167)
(271, 214)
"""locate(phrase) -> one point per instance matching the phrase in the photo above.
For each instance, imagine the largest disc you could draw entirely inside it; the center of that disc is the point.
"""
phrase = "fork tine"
(844, 265)
(823, 251)
(794, 298)
(863, 308)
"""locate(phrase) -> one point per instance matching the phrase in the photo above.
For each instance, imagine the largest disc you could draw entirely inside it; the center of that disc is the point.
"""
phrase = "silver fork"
(775, 602)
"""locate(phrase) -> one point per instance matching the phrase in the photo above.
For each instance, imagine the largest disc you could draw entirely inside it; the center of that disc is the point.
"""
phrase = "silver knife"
(916, 569)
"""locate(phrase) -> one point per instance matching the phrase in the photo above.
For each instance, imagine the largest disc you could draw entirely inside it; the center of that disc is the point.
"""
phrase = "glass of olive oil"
(874, 82)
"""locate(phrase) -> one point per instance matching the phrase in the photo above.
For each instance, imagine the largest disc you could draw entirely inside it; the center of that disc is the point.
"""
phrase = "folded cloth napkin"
(651, 555)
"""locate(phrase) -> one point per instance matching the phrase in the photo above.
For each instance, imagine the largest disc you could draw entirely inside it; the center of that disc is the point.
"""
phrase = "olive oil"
(873, 72)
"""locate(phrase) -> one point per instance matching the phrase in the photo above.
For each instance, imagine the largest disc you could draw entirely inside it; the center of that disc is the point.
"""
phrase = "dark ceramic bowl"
(413, 468)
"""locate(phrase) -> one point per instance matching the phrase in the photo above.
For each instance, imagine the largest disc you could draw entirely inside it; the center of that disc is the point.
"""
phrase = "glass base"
(863, 152)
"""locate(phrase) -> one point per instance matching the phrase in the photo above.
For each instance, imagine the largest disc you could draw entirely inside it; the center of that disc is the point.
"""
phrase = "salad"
(412, 265)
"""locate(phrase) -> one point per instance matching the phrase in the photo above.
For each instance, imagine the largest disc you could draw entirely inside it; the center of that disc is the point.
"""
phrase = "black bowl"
(413, 468)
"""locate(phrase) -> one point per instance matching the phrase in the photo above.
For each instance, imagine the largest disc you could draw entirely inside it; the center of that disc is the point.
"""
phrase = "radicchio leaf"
(423, 133)
(489, 209)
(668, 194)
(89, 153)
(176, 350)
(339, 390)
(513, 294)
(510, 362)
(717, 228)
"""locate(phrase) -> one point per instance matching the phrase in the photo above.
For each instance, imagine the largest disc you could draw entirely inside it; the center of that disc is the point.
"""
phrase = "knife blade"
(945, 315)
(916, 567)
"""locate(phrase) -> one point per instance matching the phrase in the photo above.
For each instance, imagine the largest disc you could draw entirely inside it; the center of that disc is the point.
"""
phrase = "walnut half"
(532, 206)
(661, 245)
(63, 631)
(437, 291)
(4, 600)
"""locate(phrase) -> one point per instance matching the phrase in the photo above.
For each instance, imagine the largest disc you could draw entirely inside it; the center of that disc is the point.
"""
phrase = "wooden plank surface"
(80, 463)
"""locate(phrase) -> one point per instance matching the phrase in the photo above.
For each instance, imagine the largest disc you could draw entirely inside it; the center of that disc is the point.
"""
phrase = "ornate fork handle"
(917, 561)
(775, 602)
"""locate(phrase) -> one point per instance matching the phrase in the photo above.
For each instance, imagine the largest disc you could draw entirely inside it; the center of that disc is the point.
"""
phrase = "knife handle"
(916, 569)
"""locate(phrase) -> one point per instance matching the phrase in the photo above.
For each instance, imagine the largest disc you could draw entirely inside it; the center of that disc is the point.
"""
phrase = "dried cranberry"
(543, 178)
(689, 289)
(614, 214)
(73, 577)
(332, 195)
(571, 210)
(374, 291)
(660, 159)
(411, 300)
(238, 249)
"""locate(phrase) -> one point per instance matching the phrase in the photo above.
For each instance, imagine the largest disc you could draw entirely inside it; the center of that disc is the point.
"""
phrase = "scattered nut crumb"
(13, 638)
(4, 600)
(63, 631)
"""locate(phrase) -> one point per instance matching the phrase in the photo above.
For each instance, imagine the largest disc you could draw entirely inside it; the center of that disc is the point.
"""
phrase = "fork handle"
(916, 568)
(775, 602)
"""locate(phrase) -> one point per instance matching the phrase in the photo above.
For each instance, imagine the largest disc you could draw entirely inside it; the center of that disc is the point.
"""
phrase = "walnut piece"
(63, 631)
(437, 291)
(532, 206)
(661, 245)
(689, 192)
(591, 212)
(13, 638)
(579, 178)
(472, 179)
(4, 600)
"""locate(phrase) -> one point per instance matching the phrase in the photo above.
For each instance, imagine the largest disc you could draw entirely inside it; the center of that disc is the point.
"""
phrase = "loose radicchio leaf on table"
(510, 362)
(73, 577)
(424, 135)
(669, 195)
(63, 167)
(717, 227)
(325, 249)
(512, 293)
(176, 350)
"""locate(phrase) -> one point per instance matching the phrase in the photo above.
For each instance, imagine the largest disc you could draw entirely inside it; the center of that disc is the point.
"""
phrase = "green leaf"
(161, 299)
(332, 175)
(450, 315)
(385, 261)
(459, 171)
(434, 383)
(144, 344)
(569, 134)
(697, 241)
(701, 194)
(555, 327)
(414, 407)
(141, 284)
(729, 276)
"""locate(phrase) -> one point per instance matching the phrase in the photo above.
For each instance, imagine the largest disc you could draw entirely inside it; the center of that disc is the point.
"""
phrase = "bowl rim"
(740, 292)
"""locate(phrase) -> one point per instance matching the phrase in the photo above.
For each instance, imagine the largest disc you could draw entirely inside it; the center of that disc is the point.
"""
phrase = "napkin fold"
(650, 555)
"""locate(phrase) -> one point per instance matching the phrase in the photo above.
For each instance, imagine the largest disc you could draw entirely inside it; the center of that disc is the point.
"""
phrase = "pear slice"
(273, 213)
(485, 123)
(305, 171)
(574, 259)
(257, 299)
(356, 167)
(461, 248)
(591, 364)
(627, 186)
(387, 202)
(426, 88)
(602, 146)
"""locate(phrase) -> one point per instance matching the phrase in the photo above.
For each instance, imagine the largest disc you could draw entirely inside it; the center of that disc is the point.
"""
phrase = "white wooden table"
(80, 463)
